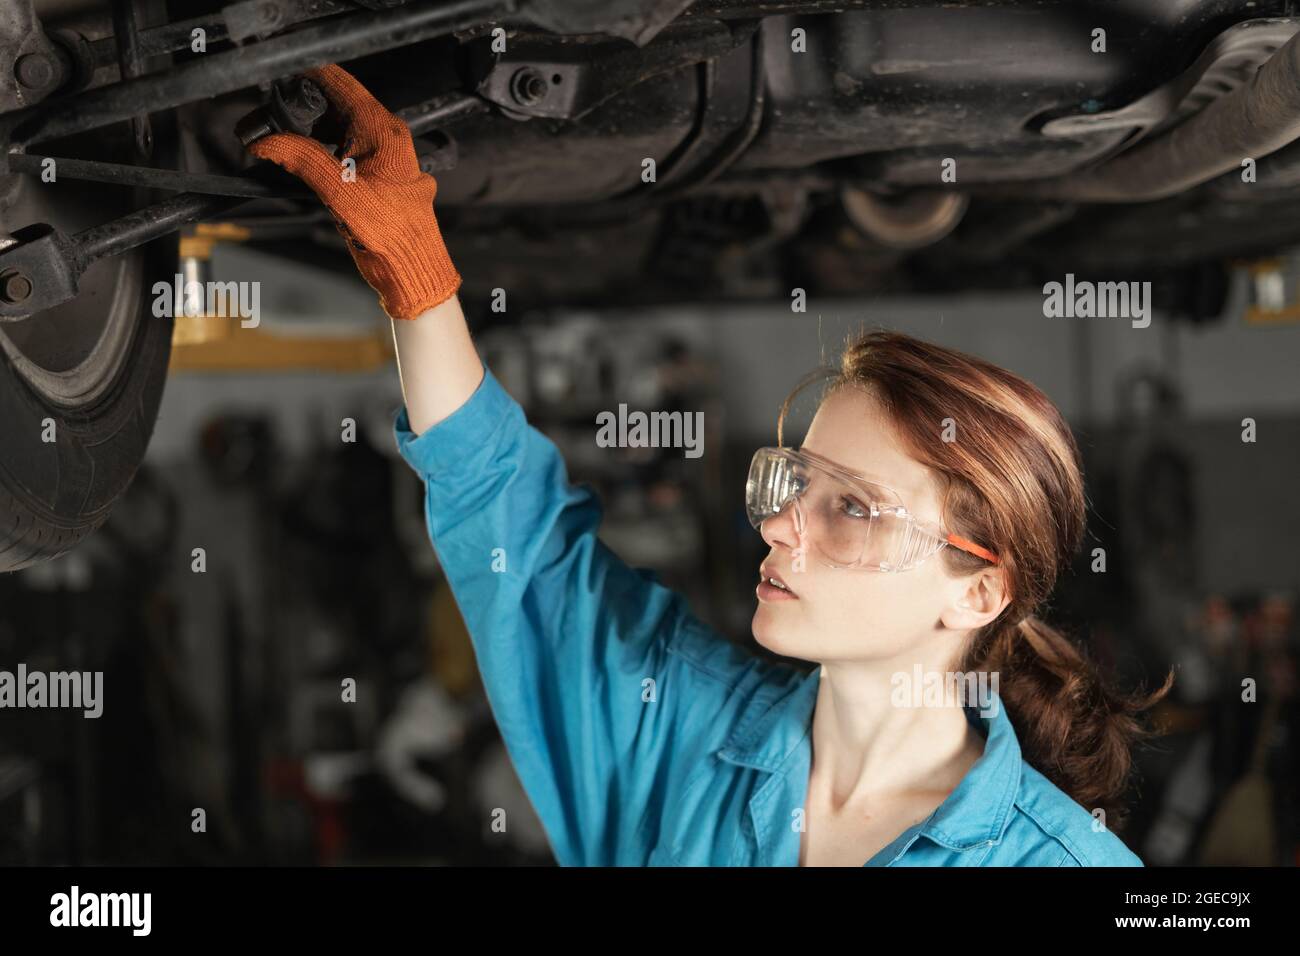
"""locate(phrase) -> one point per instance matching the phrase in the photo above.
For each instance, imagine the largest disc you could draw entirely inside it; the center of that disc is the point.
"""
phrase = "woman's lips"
(767, 591)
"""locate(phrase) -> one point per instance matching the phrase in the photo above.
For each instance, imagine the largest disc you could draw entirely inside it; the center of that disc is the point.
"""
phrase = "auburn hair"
(1012, 482)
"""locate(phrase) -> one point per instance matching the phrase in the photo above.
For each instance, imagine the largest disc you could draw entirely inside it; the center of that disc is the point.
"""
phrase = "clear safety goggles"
(848, 520)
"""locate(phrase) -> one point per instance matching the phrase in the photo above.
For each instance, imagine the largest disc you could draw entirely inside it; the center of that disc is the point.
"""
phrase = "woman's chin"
(768, 634)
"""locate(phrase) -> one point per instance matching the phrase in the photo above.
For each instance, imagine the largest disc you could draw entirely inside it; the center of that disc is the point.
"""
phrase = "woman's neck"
(867, 748)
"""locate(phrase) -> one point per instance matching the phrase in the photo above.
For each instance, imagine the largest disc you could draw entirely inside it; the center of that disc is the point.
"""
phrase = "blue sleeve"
(566, 635)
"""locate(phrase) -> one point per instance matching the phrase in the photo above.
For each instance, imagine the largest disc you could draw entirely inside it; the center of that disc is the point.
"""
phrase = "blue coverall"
(639, 734)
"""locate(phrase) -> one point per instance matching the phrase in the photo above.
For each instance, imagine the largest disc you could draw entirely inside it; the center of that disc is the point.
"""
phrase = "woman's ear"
(978, 599)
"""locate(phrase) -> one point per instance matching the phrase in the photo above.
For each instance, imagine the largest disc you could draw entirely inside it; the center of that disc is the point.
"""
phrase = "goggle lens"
(850, 524)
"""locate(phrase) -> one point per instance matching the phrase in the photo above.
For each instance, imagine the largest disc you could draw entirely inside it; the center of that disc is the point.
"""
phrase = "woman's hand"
(381, 201)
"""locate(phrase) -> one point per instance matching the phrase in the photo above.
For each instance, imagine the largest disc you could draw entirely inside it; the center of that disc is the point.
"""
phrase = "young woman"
(926, 516)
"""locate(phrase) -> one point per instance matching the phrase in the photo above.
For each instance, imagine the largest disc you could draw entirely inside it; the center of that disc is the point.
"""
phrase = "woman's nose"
(785, 527)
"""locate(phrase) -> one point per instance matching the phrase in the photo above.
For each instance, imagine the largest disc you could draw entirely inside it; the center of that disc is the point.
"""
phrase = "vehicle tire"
(80, 384)
(53, 493)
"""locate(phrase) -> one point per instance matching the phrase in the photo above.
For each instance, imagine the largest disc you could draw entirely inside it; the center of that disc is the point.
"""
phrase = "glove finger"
(365, 116)
(378, 137)
(308, 159)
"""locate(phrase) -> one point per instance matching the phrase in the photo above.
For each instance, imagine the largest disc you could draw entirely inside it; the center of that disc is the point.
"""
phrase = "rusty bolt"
(528, 86)
(15, 287)
(34, 71)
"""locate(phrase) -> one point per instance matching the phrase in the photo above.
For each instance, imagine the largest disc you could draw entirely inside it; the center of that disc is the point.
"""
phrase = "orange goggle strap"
(970, 547)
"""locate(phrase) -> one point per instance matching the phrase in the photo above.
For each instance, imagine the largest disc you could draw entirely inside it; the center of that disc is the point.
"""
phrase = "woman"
(926, 516)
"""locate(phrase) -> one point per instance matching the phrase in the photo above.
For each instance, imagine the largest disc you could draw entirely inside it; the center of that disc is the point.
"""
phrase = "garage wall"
(1228, 370)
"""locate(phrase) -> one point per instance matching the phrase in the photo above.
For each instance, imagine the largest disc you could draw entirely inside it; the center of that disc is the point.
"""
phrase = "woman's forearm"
(437, 363)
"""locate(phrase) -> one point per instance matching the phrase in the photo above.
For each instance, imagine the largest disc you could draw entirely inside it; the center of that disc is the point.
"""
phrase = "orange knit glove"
(384, 208)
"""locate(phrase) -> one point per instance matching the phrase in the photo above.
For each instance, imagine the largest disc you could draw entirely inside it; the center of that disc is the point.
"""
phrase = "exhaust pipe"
(919, 218)
(1257, 118)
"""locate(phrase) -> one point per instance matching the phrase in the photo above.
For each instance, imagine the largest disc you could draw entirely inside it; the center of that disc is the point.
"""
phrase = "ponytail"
(1073, 728)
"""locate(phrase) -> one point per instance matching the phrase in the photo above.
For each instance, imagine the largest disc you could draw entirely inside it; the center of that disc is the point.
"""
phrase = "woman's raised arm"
(437, 362)
(607, 690)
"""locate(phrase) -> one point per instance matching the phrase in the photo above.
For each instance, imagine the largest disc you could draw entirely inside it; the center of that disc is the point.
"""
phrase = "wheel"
(77, 410)
(80, 384)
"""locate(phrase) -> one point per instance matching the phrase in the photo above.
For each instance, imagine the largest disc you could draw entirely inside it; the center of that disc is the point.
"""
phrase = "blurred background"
(274, 454)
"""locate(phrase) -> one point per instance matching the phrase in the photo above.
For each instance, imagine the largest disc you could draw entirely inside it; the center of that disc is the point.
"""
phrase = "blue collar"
(777, 722)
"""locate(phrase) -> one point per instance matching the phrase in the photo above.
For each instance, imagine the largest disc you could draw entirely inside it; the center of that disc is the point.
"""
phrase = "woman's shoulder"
(1049, 824)
(718, 659)
(733, 687)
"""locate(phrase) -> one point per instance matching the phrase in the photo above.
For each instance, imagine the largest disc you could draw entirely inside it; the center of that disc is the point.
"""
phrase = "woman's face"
(841, 614)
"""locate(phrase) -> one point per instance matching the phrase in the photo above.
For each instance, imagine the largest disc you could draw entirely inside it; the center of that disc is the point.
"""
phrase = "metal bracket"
(36, 272)
(31, 65)
(40, 266)
(540, 78)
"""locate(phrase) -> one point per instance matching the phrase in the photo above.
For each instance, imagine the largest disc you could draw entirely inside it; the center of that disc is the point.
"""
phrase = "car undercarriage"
(881, 146)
